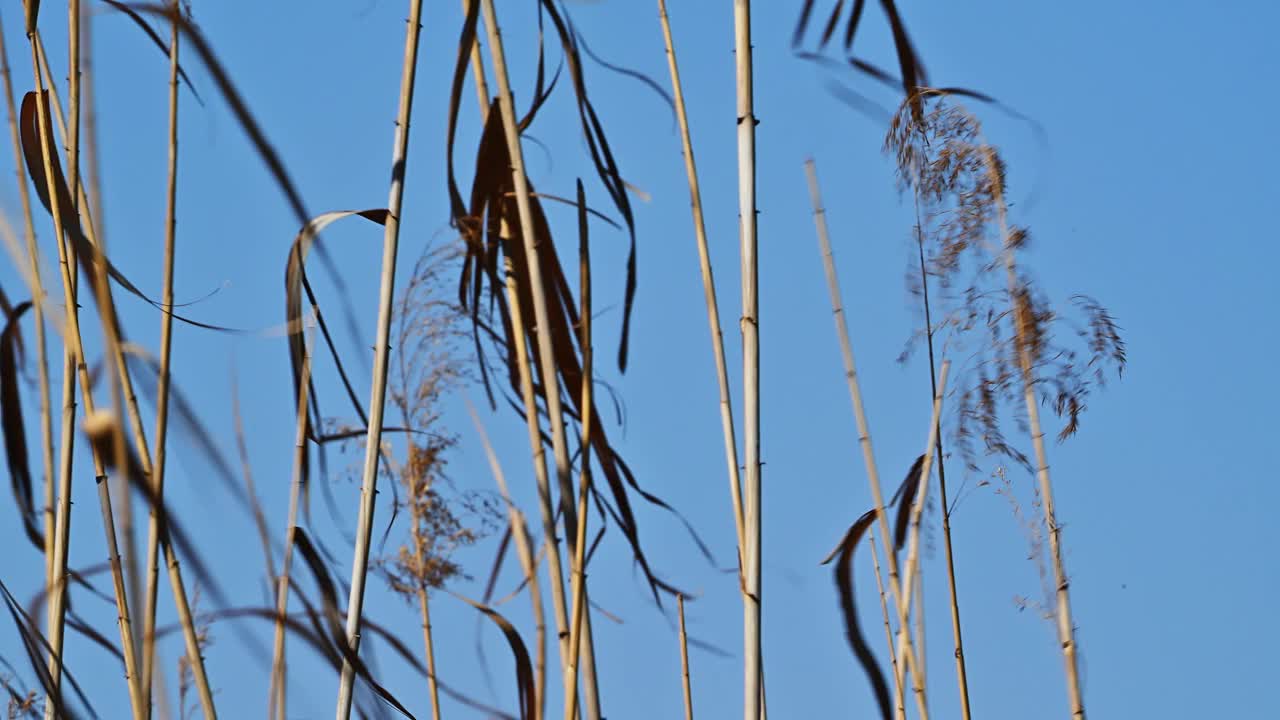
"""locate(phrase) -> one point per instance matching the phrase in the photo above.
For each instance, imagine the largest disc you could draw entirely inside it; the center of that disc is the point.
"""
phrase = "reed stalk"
(584, 485)
(378, 393)
(888, 631)
(278, 693)
(547, 366)
(38, 301)
(753, 686)
(524, 551)
(122, 383)
(906, 654)
(684, 661)
(913, 550)
(962, 675)
(1065, 626)
(708, 288)
(75, 355)
(163, 381)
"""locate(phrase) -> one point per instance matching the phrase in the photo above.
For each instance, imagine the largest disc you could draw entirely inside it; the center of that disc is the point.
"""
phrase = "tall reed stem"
(75, 353)
(279, 674)
(708, 289)
(753, 686)
(1065, 626)
(378, 394)
(888, 631)
(906, 656)
(524, 551)
(37, 302)
(962, 675)
(913, 548)
(550, 377)
(684, 661)
(163, 382)
(584, 485)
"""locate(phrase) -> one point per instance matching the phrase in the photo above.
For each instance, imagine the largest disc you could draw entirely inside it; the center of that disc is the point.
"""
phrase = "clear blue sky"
(1150, 195)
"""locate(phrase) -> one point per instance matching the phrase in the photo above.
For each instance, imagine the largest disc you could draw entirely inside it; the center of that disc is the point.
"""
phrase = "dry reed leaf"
(37, 649)
(155, 38)
(843, 554)
(905, 497)
(336, 633)
(15, 434)
(524, 667)
(86, 252)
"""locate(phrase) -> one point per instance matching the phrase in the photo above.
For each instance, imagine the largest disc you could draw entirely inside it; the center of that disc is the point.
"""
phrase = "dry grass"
(521, 328)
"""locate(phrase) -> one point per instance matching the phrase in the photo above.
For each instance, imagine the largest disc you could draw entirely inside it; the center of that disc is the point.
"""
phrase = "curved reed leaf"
(843, 554)
(37, 647)
(155, 38)
(86, 251)
(336, 634)
(905, 497)
(15, 434)
(524, 668)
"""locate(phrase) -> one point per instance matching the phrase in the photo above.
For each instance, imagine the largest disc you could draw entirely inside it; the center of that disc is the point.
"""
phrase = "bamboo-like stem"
(684, 661)
(163, 382)
(278, 694)
(525, 552)
(117, 576)
(584, 485)
(37, 302)
(72, 341)
(922, 671)
(906, 655)
(913, 550)
(122, 383)
(708, 286)
(550, 378)
(752, 535)
(962, 675)
(378, 393)
(477, 70)
(888, 631)
(424, 607)
(1065, 626)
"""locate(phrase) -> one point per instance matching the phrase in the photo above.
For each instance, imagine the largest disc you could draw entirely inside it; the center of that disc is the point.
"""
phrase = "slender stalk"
(684, 661)
(708, 286)
(913, 549)
(163, 382)
(962, 675)
(278, 694)
(752, 535)
(477, 71)
(550, 378)
(922, 671)
(117, 576)
(424, 607)
(896, 588)
(378, 394)
(584, 485)
(888, 631)
(38, 300)
(1065, 626)
(527, 562)
(75, 353)
(122, 384)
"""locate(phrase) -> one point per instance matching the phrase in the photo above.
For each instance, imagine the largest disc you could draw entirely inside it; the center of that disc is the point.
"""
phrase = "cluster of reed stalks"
(521, 326)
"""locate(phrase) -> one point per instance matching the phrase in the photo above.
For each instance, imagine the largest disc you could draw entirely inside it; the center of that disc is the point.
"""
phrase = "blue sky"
(1150, 193)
